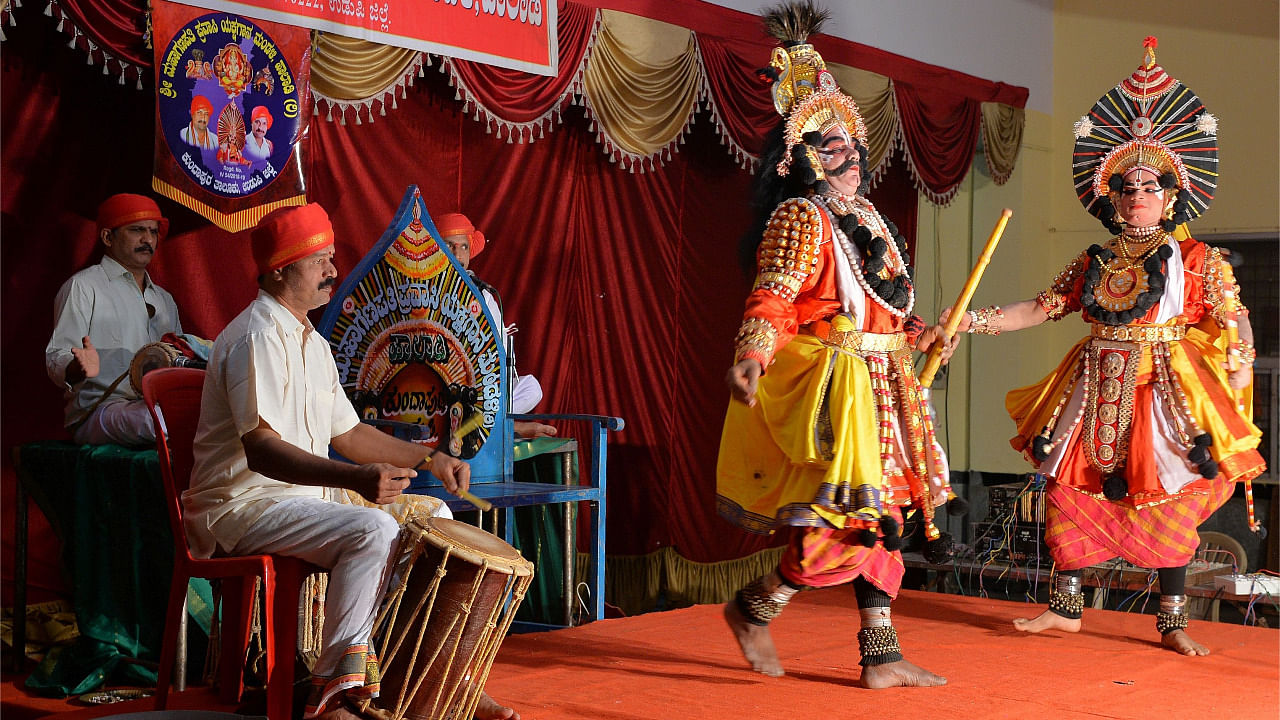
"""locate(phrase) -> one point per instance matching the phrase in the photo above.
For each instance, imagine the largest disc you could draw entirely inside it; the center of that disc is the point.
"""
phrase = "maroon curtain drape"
(114, 26)
(741, 97)
(940, 131)
(520, 97)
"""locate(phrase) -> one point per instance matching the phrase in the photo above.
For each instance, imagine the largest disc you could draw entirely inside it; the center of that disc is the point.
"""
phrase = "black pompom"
(1155, 281)
(892, 542)
(941, 550)
(1168, 225)
(1165, 252)
(1181, 217)
(877, 245)
(867, 537)
(1152, 264)
(893, 229)
(861, 236)
(1114, 487)
(1040, 448)
(1182, 206)
(871, 267)
(1168, 181)
(884, 288)
(1115, 183)
(813, 137)
(1209, 470)
(1203, 440)
(848, 223)
(1106, 255)
(1094, 250)
(1113, 227)
(1198, 455)
(899, 299)
(957, 506)
(889, 525)
(1106, 212)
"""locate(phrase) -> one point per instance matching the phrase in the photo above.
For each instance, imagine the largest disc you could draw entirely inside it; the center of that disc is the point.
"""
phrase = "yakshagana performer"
(834, 440)
(1138, 429)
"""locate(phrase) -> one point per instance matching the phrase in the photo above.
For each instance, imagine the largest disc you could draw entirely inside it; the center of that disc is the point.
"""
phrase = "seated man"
(466, 242)
(263, 481)
(103, 315)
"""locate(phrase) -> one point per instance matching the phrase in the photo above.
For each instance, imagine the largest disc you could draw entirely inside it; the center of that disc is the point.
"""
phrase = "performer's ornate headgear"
(288, 234)
(124, 208)
(1149, 121)
(804, 91)
(458, 224)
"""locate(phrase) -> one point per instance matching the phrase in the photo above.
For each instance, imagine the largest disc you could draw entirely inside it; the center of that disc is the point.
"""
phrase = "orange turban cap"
(121, 209)
(200, 102)
(288, 234)
(456, 224)
(261, 111)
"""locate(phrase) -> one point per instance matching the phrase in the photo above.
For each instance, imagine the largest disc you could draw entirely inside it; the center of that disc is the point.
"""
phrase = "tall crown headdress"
(1153, 121)
(804, 91)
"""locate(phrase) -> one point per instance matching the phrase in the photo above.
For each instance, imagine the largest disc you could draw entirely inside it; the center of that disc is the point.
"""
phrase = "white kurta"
(105, 303)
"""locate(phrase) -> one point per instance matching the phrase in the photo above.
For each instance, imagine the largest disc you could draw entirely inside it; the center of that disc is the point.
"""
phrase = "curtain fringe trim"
(939, 199)
(89, 47)
(364, 105)
(635, 583)
(516, 131)
(745, 160)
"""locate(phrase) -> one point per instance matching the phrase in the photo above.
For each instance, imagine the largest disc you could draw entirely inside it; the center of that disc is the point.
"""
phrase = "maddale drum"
(453, 594)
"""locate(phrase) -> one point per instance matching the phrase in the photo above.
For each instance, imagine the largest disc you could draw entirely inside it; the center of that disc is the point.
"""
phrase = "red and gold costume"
(1131, 400)
(1137, 428)
(839, 435)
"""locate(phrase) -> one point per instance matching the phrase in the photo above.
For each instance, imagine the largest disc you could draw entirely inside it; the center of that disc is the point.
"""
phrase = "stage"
(684, 664)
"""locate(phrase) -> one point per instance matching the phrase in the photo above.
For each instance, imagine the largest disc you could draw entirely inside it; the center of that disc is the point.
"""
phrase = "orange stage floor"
(684, 665)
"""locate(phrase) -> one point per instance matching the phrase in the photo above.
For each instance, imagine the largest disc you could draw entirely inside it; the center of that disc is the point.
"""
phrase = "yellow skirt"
(811, 443)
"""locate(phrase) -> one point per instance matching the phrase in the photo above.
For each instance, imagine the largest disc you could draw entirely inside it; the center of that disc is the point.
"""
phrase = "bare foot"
(755, 641)
(898, 674)
(490, 709)
(1047, 620)
(1180, 641)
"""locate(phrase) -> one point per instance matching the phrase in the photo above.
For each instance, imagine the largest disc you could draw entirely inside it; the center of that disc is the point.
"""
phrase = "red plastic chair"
(173, 397)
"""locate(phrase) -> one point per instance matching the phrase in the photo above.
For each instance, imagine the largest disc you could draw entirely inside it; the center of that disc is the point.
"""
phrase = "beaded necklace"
(867, 266)
(1119, 289)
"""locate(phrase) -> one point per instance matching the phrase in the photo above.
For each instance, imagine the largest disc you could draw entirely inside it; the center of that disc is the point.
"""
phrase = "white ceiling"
(1008, 41)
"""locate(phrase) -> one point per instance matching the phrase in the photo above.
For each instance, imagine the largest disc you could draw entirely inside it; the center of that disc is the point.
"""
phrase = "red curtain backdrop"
(625, 285)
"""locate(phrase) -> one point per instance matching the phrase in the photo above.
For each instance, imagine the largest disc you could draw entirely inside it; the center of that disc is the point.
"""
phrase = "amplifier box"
(1019, 543)
(1023, 502)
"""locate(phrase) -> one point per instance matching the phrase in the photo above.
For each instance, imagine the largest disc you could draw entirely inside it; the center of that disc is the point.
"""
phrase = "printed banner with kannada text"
(232, 106)
(515, 34)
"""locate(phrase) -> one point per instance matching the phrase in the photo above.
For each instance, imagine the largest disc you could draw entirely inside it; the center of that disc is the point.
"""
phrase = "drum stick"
(961, 306)
(480, 503)
(1233, 364)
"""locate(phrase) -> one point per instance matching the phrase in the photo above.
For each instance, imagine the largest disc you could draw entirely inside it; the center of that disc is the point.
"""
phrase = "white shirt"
(526, 391)
(266, 365)
(105, 303)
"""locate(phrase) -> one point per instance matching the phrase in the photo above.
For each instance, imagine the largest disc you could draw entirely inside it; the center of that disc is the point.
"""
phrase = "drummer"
(263, 481)
(103, 315)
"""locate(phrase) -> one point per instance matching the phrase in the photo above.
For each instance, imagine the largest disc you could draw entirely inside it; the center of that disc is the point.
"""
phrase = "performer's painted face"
(460, 245)
(839, 157)
(133, 245)
(1142, 200)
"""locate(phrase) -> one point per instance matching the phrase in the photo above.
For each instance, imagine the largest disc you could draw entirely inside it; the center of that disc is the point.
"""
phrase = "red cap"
(457, 223)
(288, 234)
(261, 111)
(121, 209)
